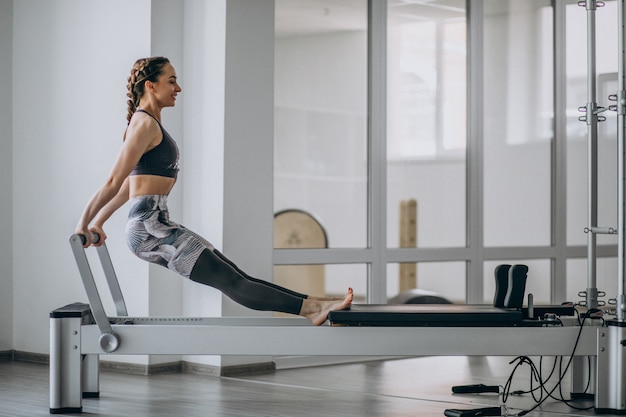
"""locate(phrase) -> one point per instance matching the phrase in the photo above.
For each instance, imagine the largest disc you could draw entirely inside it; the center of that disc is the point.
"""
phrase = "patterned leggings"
(153, 237)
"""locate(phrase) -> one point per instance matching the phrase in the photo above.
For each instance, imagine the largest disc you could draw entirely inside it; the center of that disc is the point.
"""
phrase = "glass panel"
(323, 280)
(537, 281)
(606, 278)
(306, 279)
(440, 279)
(576, 73)
(518, 115)
(320, 115)
(426, 127)
(339, 277)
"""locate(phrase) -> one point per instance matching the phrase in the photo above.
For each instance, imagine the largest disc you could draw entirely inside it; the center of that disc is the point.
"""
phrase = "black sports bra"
(162, 160)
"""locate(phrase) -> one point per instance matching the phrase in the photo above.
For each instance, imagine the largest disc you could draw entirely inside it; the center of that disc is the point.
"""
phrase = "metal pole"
(377, 112)
(592, 155)
(621, 209)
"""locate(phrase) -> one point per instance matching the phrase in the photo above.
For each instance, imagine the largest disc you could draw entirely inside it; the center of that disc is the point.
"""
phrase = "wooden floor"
(391, 388)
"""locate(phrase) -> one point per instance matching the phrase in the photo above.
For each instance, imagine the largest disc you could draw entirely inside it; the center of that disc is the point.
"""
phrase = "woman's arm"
(107, 211)
(142, 134)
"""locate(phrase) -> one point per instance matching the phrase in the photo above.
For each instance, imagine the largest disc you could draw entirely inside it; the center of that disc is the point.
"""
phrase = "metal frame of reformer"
(80, 333)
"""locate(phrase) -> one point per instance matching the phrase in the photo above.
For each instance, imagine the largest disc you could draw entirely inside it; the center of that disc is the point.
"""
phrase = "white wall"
(249, 135)
(248, 215)
(6, 203)
(69, 80)
(201, 179)
(203, 98)
(70, 64)
(69, 110)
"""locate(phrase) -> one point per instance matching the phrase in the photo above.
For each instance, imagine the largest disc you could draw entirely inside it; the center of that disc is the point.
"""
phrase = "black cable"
(537, 376)
(561, 376)
(506, 390)
(568, 401)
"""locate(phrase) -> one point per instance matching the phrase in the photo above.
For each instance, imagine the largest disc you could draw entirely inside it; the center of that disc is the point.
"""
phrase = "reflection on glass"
(439, 279)
(320, 142)
(606, 280)
(518, 115)
(426, 121)
(324, 280)
(295, 229)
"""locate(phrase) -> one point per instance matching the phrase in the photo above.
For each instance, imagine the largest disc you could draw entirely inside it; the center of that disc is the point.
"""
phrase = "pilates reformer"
(80, 332)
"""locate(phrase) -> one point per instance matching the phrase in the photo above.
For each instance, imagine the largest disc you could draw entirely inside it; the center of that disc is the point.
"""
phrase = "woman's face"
(166, 87)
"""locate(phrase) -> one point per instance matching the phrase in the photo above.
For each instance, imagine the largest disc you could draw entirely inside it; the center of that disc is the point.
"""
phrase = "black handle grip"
(475, 389)
(95, 238)
(502, 284)
(476, 412)
(517, 286)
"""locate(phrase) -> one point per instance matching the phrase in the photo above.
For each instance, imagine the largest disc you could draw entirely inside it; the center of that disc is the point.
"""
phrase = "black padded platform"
(432, 315)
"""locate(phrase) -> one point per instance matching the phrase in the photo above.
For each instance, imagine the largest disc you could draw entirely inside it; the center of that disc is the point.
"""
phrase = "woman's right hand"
(97, 229)
(89, 237)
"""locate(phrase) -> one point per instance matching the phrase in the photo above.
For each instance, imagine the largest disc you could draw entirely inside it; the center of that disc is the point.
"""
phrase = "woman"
(144, 174)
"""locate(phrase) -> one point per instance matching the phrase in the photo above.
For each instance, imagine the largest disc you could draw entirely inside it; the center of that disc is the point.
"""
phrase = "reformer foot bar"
(80, 332)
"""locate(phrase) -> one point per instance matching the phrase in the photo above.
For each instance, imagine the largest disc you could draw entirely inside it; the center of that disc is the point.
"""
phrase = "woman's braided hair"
(145, 69)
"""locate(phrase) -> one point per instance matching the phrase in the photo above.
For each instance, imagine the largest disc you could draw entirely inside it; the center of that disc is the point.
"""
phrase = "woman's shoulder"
(143, 120)
(143, 127)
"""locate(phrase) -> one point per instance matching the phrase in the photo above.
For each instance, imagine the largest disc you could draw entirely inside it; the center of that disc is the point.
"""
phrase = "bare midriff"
(150, 185)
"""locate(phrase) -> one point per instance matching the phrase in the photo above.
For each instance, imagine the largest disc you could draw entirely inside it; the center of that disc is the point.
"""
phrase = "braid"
(145, 69)
(135, 75)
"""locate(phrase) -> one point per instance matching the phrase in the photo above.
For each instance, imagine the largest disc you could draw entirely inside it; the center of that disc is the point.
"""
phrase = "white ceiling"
(310, 17)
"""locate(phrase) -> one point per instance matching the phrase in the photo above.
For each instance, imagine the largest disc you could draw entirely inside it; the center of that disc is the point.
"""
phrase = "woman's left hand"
(97, 229)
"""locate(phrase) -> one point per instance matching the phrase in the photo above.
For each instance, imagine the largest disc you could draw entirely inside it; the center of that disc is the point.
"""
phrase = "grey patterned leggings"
(153, 237)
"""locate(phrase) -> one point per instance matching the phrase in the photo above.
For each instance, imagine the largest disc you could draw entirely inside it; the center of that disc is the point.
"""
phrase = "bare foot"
(325, 298)
(317, 310)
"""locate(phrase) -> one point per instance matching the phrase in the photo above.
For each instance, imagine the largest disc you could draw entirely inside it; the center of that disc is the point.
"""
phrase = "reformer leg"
(91, 376)
(65, 365)
(583, 377)
(611, 376)
(68, 376)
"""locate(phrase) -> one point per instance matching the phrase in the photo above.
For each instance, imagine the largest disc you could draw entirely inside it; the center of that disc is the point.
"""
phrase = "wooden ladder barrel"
(297, 229)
